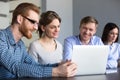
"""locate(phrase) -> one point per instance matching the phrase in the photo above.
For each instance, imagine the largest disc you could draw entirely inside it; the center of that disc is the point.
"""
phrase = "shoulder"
(3, 34)
(35, 42)
(72, 38)
(116, 44)
(96, 40)
(58, 43)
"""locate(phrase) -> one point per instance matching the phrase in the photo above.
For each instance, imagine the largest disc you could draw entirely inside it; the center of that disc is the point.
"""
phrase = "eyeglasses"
(32, 21)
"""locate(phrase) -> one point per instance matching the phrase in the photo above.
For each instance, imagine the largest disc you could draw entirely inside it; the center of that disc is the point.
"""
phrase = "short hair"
(108, 27)
(88, 19)
(46, 18)
(23, 9)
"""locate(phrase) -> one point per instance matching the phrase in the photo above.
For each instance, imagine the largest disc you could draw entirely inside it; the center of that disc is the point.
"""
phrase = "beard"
(26, 32)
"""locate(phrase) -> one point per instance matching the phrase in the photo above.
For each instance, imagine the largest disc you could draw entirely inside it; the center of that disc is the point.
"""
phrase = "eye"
(90, 29)
(32, 21)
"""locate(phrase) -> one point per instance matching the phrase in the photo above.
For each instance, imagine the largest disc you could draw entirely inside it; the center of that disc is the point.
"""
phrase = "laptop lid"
(90, 59)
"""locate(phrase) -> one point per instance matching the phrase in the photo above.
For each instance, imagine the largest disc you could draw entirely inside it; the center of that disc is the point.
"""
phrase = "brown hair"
(88, 19)
(46, 18)
(23, 9)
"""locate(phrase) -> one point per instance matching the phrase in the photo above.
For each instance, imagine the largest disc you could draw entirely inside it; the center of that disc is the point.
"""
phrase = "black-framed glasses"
(32, 21)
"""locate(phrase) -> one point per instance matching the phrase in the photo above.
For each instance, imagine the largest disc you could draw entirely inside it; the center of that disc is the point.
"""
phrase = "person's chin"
(29, 36)
(55, 36)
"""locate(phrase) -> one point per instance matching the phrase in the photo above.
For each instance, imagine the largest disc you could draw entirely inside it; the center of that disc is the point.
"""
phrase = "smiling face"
(29, 24)
(52, 30)
(112, 35)
(87, 31)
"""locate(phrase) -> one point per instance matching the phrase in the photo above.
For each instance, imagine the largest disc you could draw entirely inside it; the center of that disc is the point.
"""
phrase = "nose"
(87, 31)
(57, 29)
(36, 26)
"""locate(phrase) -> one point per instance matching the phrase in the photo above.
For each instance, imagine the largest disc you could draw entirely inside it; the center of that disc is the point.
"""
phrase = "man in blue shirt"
(14, 59)
(88, 27)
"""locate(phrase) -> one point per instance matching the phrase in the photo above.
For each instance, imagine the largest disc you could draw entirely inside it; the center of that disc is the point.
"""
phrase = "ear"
(43, 28)
(19, 19)
(95, 30)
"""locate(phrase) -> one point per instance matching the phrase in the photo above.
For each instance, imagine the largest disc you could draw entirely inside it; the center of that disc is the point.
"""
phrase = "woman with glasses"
(46, 49)
(110, 37)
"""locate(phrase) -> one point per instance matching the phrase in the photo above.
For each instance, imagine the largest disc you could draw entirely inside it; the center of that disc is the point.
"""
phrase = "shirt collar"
(10, 36)
(112, 44)
(90, 43)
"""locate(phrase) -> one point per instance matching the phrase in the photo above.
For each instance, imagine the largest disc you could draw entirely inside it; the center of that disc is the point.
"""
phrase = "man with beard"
(15, 62)
(88, 27)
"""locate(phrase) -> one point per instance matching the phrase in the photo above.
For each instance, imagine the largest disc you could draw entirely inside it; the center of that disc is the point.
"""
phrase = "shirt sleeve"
(24, 68)
(67, 51)
(119, 51)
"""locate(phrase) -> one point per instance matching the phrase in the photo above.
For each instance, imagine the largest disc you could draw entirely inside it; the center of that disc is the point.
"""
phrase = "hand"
(65, 69)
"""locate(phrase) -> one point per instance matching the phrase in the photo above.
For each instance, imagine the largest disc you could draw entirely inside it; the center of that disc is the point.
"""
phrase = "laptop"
(90, 59)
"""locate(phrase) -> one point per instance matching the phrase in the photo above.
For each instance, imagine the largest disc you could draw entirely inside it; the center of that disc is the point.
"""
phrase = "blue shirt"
(16, 62)
(113, 56)
(74, 40)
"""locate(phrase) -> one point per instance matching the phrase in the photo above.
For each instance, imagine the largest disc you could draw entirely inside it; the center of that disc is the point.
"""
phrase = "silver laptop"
(90, 59)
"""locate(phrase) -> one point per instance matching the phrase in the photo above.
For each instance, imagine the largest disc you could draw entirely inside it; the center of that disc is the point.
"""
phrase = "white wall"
(4, 15)
(7, 8)
(13, 4)
(103, 10)
(64, 9)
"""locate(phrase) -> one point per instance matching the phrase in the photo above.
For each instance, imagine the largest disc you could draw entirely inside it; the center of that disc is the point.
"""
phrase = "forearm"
(28, 70)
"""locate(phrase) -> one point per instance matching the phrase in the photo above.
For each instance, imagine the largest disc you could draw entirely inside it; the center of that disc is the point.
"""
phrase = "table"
(111, 76)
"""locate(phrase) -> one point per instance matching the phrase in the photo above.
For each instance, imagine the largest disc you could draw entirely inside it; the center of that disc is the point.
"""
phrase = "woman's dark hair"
(108, 27)
(46, 18)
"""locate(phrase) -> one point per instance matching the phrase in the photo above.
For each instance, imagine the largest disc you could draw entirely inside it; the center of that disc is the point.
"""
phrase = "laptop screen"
(90, 59)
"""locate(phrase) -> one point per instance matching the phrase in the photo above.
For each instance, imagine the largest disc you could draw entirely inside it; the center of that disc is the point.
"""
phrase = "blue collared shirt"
(114, 55)
(74, 40)
(16, 62)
